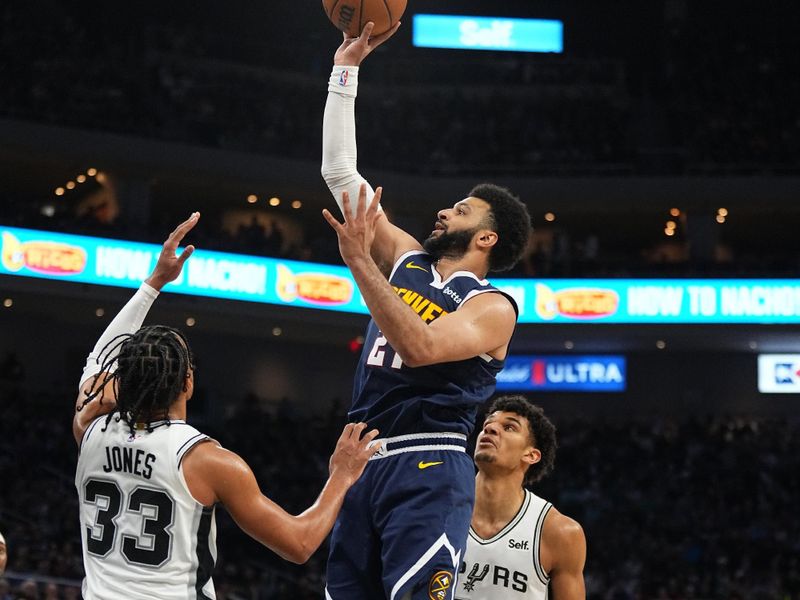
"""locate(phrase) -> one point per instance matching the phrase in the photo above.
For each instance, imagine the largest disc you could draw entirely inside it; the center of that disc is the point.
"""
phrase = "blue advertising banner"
(99, 261)
(66, 257)
(488, 33)
(563, 373)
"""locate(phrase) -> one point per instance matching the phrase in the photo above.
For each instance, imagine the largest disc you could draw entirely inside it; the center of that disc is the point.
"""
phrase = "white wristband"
(344, 80)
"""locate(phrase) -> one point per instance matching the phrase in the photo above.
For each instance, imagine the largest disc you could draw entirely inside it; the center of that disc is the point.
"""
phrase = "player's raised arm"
(339, 152)
(214, 474)
(96, 395)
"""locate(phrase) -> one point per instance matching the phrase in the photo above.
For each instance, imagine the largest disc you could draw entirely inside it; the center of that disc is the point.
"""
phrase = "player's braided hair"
(542, 430)
(148, 374)
(511, 222)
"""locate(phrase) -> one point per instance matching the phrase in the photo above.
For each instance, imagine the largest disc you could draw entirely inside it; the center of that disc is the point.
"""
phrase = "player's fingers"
(379, 39)
(347, 432)
(181, 230)
(361, 208)
(337, 227)
(359, 427)
(366, 32)
(376, 200)
(187, 252)
(369, 436)
(346, 205)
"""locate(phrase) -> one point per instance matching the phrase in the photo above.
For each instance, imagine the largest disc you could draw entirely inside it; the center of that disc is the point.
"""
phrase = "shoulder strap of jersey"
(405, 256)
(491, 290)
(189, 438)
(89, 430)
(537, 541)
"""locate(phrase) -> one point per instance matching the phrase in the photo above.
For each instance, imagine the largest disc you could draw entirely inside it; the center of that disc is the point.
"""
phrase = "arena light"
(252, 199)
(91, 172)
(296, 204)
(70, 185)
(81, 178)
(59, 191)
(720, 219)
(99, 312)
(722, 212)
(675, 212)
(549, 217)
(8, 302)
(277, 331)
(488, 33)
(274, 201)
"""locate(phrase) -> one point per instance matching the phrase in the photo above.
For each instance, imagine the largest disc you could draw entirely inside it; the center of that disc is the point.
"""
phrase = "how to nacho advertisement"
(49, 255)
(100, 261)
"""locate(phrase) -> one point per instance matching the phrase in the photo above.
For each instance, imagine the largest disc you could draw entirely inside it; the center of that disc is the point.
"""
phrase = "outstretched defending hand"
(357, 232)
(352, 452)
(354, 50)
(169, 265)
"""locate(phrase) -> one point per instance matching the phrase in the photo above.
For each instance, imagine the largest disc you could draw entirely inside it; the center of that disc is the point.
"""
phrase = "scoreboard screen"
(488, 33)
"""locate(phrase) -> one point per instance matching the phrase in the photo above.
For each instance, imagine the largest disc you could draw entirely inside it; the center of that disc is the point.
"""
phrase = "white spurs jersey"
(144, 535)
(507, 566)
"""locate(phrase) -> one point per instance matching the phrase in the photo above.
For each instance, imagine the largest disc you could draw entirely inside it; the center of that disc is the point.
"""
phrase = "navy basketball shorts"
(402, 530)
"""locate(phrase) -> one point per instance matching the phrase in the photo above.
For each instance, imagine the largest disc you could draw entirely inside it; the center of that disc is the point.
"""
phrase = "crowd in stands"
(714, 99)
(685, 509)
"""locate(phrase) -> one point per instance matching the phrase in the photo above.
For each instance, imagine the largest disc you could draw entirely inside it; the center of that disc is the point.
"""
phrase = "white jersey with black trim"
(507, 566)
(144, 536)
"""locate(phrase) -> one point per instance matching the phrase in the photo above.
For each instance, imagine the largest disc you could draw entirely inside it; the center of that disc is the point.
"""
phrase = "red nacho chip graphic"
(315, 288)
(575, 303)
(49, 258)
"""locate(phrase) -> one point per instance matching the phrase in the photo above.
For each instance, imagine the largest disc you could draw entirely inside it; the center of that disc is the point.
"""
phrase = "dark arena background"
(658, 153)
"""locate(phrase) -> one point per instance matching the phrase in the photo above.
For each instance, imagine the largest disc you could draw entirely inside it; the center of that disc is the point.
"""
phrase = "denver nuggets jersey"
(144, 535)
(400, 400)
(507, 565)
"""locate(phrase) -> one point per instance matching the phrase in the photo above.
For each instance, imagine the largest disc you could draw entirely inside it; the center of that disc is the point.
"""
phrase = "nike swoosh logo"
(410, 265)
(425, 465)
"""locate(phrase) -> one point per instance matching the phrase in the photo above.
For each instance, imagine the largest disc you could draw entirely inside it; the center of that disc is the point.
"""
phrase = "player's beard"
(484, 457)
(450, 245)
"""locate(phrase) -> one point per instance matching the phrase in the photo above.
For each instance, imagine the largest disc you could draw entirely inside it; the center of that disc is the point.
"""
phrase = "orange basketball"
(350, 16)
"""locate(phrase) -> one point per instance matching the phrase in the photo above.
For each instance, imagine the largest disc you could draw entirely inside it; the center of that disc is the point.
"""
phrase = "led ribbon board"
(488, 33)
(65, 257)
(563, 373)
(215, 274)
(779, 373)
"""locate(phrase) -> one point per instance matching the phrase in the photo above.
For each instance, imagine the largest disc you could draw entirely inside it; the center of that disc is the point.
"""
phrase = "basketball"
(350, 16)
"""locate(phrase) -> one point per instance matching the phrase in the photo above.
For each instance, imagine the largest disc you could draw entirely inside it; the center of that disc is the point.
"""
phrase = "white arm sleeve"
(339, 153)
(128, 320)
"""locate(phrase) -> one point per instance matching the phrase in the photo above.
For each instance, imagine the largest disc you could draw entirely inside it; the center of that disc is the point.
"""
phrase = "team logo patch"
(439, 585)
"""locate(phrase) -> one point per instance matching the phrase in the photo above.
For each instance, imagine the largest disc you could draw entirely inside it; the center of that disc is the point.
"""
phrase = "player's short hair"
(510, 220)
(542, 433)
(148, 373)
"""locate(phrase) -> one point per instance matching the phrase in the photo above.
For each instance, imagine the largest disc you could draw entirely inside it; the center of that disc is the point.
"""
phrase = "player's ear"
(486, 238)
(532, 455)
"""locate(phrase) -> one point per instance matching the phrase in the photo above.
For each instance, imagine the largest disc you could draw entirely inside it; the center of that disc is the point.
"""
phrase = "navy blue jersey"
(400, 400)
